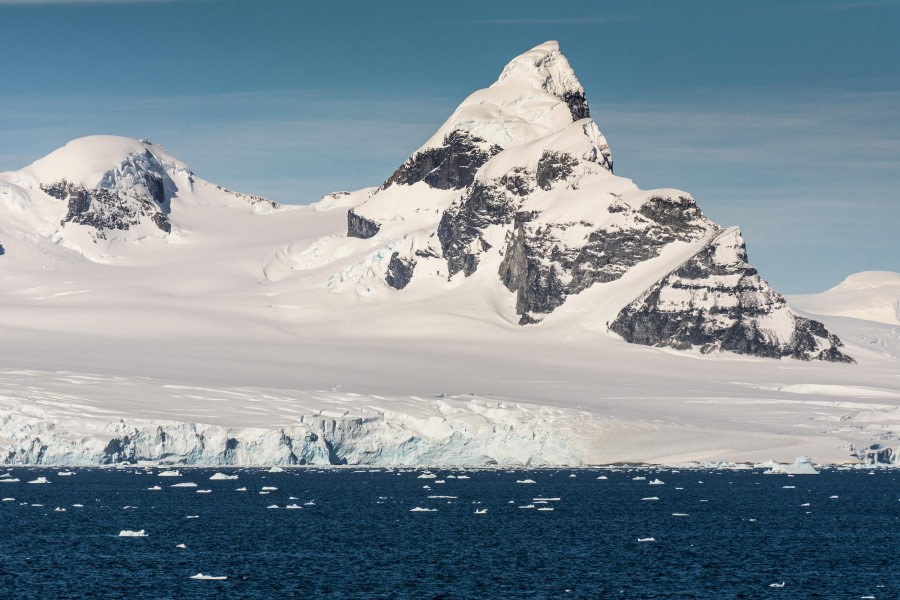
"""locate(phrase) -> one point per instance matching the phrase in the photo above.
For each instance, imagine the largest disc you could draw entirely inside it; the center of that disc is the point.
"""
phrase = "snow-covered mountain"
(871, 296)
(475, 307)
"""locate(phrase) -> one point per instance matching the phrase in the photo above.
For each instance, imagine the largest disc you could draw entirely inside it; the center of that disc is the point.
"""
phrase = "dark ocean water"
(743, 531)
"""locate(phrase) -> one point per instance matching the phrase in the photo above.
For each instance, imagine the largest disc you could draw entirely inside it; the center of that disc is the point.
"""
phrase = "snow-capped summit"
(870, 295)
(100, 189)
(517, 186)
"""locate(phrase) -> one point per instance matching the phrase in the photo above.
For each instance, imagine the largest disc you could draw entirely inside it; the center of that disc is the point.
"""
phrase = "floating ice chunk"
(526, 481)
(462, 477)
(78, 506)
(427, 475)
(169, 474)
(603, 477)
(204, 492)
(192, 517)
(293, 506)
(442, 497)
(440, 481)
(241, 489)
(420, 509)
(154, 488)
(639, 478)
(8, 500)
(186, 484)
(12, 480)
(182, 546)
(310, 503)
(573, 475)
(40, 480)
(65, 473)
(272, 506)
(802, 466)
(481, 511)
(788, 487)
(546, 499)
(37, 505)
(222, 477)
(130, 533)
(647, 539)
(275, 469)
(804, 505)
(679, 514)
(527, 506)
(544, 508)
(833, 497)
(269, 488)
(209, 577)
(650, 498)
(657, 482)
(777, 585)
(58, 509)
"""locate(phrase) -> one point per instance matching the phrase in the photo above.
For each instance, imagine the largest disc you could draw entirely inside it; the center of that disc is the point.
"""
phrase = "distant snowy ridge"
(871, 295)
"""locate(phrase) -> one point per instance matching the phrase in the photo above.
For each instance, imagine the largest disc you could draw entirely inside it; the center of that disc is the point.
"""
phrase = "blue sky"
(781, 117)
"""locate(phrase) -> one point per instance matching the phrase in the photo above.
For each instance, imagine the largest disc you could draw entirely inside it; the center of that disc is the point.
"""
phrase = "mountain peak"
(543, 67)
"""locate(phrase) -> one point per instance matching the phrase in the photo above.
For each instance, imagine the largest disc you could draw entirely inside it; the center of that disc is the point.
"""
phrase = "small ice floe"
(527, 506)
(129, 507)
(38, 505)
(78, 506)
(481, 511)
(639, 478)
(269, 488)
(788, 487)
(546, 499)
(777, 585)
(8, 500)
(204, 492)
(275, 469)
(867, 598)
(65, 473)
(678, 488)
(40, 480)
(752, 520)
(130, 533)
(272, 506)
(154, 488)
(58, 509)
(462, 477)
(295, 498)
(679, 514)
(657, 482)
(222, 477)
(9, 480)
(192, 517)
(647, 539)
(833, 497)
(546, 508)
(310, 503)
(450, 477)
(801, 466)
(650, 499)
(526, 481)
(427, 475)
(603, 477)
(169, 474)
(186, 484)
(420, 509)
(573, 475)
(804, 505)
(426, 487)
(182, 546)
(293, 507)
(209, 577)
(440, 481)
(442, 497)
(241, 489)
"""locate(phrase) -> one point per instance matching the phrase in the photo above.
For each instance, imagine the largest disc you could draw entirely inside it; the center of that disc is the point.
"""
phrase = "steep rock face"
(450, 166)
(137, 191)
(543, 269)
(717, 301)
(399, 271)
(360, 227)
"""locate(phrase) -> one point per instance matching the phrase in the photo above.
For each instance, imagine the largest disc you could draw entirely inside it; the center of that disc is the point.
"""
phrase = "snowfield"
(148, 315)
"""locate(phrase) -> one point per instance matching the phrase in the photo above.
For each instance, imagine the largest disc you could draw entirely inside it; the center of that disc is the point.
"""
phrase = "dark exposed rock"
(716, 301)
(399, 271)
(2, 250)
(360, 227)
(543, 271)
(553, 167)
(578, 105)
(462, 224)
(452, 166)
(878, 454)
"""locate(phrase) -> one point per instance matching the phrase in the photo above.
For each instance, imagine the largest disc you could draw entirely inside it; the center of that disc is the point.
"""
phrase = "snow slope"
(251, 333)
(871, 296)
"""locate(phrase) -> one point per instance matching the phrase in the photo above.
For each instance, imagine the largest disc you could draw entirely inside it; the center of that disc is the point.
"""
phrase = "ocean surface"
(718, 534)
